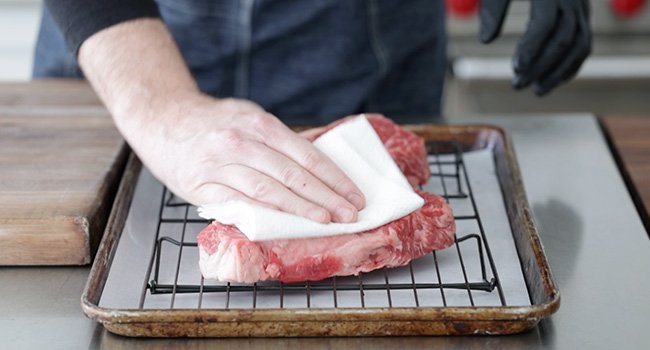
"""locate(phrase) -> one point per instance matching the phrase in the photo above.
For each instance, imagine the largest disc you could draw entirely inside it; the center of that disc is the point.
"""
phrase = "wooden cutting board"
(60, 162)
(630, 136)
(48, 92)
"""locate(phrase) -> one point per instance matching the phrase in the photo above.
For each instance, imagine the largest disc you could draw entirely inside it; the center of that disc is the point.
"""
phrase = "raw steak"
(406, 148)
(227, 255)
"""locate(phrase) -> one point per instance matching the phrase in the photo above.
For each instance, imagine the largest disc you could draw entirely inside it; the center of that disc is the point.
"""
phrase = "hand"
(556, 42)
(214, 150)
(208, 150)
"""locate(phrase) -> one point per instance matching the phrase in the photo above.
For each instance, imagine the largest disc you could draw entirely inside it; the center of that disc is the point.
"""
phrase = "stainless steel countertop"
(594, 240)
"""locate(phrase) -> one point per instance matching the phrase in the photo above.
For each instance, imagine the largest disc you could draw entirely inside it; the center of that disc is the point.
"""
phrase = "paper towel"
(356, 148)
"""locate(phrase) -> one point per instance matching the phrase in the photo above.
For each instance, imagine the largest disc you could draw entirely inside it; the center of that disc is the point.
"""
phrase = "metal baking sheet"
(129, 269)
(494, 280)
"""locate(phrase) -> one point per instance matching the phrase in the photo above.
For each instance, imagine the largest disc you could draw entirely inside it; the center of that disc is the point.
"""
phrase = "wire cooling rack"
(420, 283)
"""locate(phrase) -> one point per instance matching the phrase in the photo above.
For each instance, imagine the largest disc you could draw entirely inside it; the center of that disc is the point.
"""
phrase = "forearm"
(137, 71)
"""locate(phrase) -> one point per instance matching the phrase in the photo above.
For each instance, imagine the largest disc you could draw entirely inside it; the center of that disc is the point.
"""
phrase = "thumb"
(492, 13)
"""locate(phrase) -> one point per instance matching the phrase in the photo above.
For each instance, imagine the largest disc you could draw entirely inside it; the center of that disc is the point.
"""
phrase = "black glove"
(556, 42)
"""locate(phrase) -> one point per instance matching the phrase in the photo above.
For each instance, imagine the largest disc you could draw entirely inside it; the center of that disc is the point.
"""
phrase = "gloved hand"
(556, 42)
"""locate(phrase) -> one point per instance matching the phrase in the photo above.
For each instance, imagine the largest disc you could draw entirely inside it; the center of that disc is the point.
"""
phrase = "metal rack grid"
(447, 168)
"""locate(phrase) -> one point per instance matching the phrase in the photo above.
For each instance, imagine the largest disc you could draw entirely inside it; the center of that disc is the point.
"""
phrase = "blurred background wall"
(18, 26)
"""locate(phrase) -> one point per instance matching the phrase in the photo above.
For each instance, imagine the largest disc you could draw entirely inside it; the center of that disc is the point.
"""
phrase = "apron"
(305, 61)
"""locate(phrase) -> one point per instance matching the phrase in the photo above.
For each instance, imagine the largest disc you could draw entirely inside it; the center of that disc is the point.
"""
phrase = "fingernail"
(519, 82)
(541, 90)
(520, 65)
(357, 200)
(484, 36)
(319, 215)
(344, 214)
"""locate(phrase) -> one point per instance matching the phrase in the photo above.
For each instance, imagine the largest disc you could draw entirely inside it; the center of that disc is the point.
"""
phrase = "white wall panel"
(19, 21)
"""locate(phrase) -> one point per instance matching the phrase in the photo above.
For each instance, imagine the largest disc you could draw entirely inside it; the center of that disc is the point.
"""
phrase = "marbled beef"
(226, 254)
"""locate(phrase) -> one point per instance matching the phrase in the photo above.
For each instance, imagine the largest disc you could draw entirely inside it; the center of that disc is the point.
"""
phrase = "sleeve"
(79, 19)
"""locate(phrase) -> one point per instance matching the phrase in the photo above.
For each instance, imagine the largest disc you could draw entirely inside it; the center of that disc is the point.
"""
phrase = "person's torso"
(310, 61)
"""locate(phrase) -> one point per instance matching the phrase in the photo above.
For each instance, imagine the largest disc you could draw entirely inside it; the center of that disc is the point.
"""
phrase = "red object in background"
(462, 8)
(627, 8)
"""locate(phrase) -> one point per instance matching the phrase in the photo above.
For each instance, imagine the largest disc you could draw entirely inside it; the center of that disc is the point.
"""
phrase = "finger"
(371, 115)
(560, 42)
(265, 189)
(543, 16)
(571, 64)
(302, 152)
(566, 70)
(298, 179)
(317, 163)
(313, 133)
(212, 193)
(492, 14)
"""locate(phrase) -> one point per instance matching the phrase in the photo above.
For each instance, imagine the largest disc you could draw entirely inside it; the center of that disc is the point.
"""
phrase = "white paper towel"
(357, 150)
